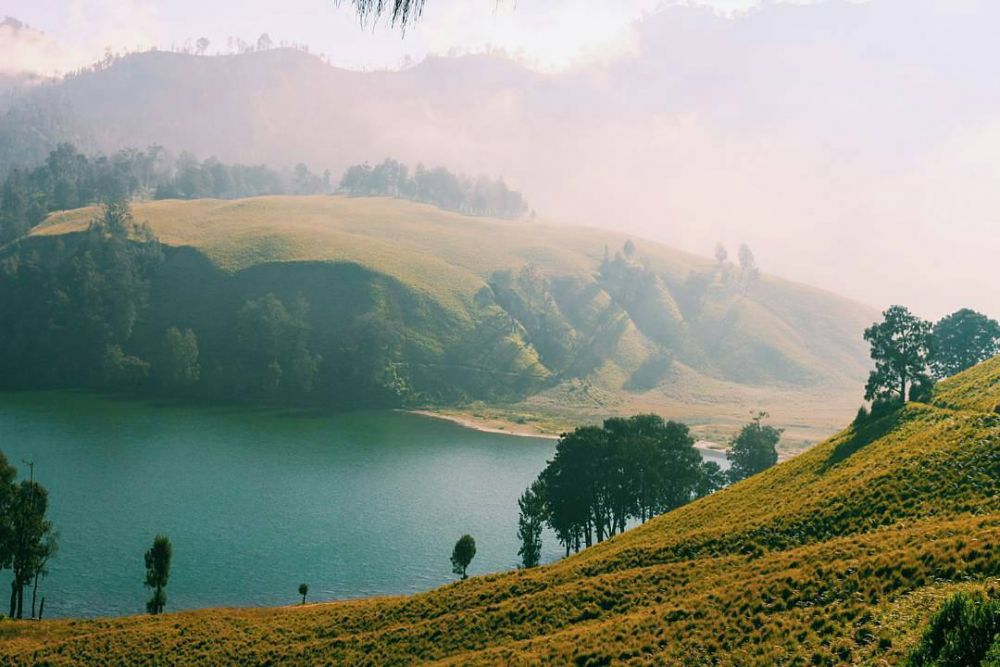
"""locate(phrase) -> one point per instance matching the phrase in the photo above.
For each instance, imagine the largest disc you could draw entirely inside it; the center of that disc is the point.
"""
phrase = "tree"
(962, 340)
(202, 45)
(721, 254)
(48, 550)
(8, 526)
(462, 555)
(900, 347)
(14, 220)
(272, 348)
(100, 293)
(747, 261)
(439, 186)
(530, 522)
(748, 267)
(753, 449)
(158, 572)
(303, 591)
(32, 540)
(264, 42)
(179, 365)
(712, 478)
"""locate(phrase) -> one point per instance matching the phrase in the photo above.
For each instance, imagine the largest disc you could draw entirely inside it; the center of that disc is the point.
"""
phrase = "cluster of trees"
(68, 179)
(27, 540)
(603, 477)
(910, 353)
(629, 469)
(81, 313)
(68, 320)
(191, 179)
(438, 186)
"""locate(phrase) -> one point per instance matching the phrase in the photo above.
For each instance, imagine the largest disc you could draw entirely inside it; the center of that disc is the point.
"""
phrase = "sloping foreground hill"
(835, 557)
(503, 311)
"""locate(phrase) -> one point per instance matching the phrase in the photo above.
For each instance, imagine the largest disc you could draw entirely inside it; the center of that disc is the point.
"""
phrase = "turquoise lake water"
(256, 502)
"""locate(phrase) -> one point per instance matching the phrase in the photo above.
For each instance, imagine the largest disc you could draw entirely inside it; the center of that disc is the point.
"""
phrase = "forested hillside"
(338, 301)
(839, 556)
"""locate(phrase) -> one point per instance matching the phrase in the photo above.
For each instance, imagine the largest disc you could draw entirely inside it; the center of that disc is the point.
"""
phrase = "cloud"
(115, 25)
(24, 49)
(89, 29)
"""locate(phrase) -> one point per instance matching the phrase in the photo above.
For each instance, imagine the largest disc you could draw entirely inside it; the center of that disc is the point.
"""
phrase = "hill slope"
(553, 321)
(835, 557)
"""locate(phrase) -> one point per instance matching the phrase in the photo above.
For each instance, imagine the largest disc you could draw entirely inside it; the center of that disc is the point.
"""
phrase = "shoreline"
(476, 425)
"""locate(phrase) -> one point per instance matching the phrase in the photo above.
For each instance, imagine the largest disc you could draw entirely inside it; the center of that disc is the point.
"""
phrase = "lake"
(256, 501)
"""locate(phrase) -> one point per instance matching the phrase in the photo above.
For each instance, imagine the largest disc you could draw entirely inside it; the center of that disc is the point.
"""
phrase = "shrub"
(960, 634)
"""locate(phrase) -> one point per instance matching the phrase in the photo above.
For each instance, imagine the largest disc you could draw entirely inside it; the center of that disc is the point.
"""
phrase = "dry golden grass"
(449, 258)
(835, 557)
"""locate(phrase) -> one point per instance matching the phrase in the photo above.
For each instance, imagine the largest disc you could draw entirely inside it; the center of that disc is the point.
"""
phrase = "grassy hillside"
(835, 557)
(522, 315)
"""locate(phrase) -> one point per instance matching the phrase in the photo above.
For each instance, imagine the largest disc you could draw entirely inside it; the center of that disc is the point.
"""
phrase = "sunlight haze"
(819, 160)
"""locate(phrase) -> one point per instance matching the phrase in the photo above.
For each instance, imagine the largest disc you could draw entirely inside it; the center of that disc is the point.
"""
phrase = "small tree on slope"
(462, 555)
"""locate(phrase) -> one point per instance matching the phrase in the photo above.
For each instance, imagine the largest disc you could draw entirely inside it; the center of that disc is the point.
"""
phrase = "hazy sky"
(855, 146)
(549, 34)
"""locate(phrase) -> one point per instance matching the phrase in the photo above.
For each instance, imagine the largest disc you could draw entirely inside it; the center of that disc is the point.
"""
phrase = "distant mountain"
(555, 323)
(796, 127)
(839, 556)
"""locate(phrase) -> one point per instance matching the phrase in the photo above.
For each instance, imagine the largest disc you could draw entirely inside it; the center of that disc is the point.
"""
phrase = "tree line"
(438, 186)
(69, 179)
(604, 478)
(911, 354)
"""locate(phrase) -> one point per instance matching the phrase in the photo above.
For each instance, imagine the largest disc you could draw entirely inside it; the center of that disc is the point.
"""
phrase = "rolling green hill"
(513, 319)
(838, 556)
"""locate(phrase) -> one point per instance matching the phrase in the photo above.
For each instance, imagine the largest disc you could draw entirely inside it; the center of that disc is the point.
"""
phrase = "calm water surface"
(256, 502)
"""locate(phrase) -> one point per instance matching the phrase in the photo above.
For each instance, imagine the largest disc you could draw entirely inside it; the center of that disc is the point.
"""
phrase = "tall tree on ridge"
(900, 347)
(962, 340)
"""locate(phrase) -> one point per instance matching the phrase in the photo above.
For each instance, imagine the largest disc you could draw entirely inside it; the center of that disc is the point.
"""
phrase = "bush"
(922, 390)
(862, 415)
(960, 634)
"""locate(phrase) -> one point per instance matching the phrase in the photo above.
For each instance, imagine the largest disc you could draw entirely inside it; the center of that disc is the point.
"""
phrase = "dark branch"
(401, 12)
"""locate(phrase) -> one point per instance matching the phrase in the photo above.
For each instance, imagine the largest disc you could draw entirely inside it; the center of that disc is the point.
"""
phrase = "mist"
(854, 146)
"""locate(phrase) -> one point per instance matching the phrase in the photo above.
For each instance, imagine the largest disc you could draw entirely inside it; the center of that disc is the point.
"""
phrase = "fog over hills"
(802, 130)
